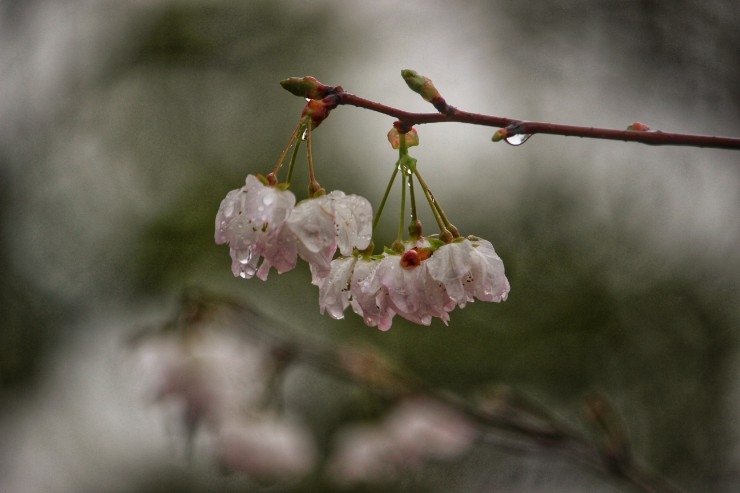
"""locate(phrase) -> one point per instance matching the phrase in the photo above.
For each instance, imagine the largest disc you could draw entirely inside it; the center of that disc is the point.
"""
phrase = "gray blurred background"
(123, 125)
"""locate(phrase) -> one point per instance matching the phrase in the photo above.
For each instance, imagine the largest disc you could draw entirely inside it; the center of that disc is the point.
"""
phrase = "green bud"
(307, 87)
(500, 135)
(420, 85)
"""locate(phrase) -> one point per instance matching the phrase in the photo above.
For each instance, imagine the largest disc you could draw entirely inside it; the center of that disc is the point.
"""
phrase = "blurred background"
(124, 124)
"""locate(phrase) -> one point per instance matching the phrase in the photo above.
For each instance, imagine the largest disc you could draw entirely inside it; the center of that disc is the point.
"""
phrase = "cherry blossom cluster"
(420, 278)
(264, 228)
(429, 279)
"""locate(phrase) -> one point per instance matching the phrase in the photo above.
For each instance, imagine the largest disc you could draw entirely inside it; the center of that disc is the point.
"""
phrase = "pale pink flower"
(352, 281)
(412, 293)
(250, 220)
(370, 299)
(469, 268)
(321, 225)
(415, 431)
(265, 229)
(430, 429)
(364, 453)
(266, 448)
(334, 289)
(426, 281)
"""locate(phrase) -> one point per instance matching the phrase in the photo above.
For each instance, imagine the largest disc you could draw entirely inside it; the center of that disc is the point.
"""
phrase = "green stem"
(385, 197)
(446, 229)
(313, 184)
(291, 167)
(293, 136)
(404, 181)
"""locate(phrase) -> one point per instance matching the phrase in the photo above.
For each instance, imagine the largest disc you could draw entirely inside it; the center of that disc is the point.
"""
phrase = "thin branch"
(515, 127)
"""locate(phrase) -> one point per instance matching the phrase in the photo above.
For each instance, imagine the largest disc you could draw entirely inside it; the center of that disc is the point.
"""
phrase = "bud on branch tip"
(307, 87)
(420, 85)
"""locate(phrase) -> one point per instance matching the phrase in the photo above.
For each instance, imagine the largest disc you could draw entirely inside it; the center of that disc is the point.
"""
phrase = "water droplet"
(303, 135)
(268, 199)
(244, 256)
(517, 139)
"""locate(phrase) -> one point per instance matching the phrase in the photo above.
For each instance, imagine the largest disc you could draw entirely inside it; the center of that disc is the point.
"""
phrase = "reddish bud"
(414, 257)
(410, 259)
(639, 127)
(317, 110)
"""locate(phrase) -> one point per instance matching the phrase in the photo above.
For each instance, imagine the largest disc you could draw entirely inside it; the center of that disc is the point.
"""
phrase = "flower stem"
(313, 185)
(385, 195)
(404, 181)
(291, 167)
(293, 136)
(447, 231)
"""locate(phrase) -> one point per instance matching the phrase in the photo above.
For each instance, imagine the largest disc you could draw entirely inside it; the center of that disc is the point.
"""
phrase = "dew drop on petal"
(268, 199)
(244, 256)
(517, 139)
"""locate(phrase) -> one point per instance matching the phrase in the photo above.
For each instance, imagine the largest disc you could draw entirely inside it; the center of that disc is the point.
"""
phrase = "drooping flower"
(250, 219)
(428, 280)
(469, 268)
(412, 293)
(319, 226)
(265, 228)
(352, 281)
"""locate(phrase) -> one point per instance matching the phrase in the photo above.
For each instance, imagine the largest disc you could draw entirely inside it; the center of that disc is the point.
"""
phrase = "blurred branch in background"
(440, 424)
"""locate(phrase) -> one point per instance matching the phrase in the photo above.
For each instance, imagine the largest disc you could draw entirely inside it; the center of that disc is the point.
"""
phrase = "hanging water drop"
(304, 134)
(517, 139)
(244, 256)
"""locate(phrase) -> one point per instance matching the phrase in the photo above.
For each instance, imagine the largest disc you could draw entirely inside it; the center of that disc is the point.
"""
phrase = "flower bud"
(639, 127)
(307, 87)
(420, 85)
(317, 110)
(500, 135)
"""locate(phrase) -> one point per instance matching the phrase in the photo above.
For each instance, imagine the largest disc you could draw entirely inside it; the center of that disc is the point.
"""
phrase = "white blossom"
(323, 224)
(265, 229)
(424, 282)
(469, 268)
(250, 219)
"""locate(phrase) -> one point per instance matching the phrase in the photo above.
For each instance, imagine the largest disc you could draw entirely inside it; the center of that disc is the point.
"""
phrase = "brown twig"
(329, 97)
(516, 127)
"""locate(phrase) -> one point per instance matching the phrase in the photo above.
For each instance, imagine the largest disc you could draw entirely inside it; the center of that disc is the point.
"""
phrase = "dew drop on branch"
(517, 139)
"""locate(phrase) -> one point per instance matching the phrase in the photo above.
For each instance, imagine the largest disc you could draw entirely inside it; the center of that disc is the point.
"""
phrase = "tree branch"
(323, 98)
(519, 127)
